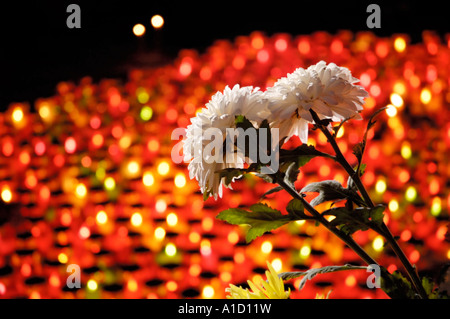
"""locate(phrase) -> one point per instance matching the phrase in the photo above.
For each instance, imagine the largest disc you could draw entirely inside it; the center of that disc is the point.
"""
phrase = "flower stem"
(319, 217)
(347, 239)
(384, 230)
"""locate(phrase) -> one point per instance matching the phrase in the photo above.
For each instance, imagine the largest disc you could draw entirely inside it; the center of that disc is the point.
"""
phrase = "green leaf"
(296, 210)
(362, 169)
(397, 286)
(330, 190)
(376, 214)
(362, 218)
(261, 219)
(428, 285)
(230, 174)
(347, 221)
(432, 289)
(358, 150)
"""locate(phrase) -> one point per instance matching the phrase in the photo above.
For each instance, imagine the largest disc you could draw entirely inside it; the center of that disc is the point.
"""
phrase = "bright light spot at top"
(170, 250)
(305, 251)
(157, 21)
(411, 194)
(400, 44)
(378, 243)
(380, 186)
(396, 100)
(277, 264)
(109, 183)
(84, 232)
(258, 42)
(138, 30)
(393, 205)
(163, 168)
(180, 180)
(17, 114)
(136, 219)
(436, 207)
(101, 217)
(425, 96)
(132, 285)
(62, 258)
(160, 233)
(281, 45)
(160, 205)
(185, 68)
(205, 247)
(391, 110)
(146, 113)
(208, 292)
(44, 111)
(172, 219)
(341, 132)
(70, 145)
(92, 285)
(81, 190)
(148, 179)
(406, 151)
(266, 247)
(6, 194)
(133, 167)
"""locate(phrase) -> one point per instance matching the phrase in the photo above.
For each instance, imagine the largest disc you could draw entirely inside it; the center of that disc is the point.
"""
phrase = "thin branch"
(384, 229)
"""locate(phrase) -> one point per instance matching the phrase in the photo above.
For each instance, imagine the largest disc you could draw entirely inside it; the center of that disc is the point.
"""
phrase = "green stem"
(384, 230)
(319, 217)
(347, 239)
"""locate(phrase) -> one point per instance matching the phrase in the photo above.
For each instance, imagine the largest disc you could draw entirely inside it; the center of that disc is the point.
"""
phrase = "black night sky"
(37, 50)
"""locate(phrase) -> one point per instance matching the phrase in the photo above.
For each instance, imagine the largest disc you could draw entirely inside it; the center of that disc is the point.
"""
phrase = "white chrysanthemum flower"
(219, 114)
(272, 288)
(329, 90)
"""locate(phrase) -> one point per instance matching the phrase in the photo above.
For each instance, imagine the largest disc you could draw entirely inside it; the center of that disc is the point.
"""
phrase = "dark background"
(37, 50)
